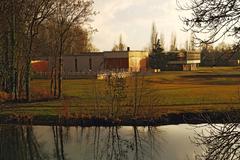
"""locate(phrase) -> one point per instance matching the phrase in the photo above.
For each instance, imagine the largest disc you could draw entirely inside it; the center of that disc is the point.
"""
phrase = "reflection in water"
(220, 141)
(19, 142)
(58, 142)
(111, 143)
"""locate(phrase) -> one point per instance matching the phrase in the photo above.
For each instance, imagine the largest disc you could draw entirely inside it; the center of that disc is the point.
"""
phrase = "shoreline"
(168, 119)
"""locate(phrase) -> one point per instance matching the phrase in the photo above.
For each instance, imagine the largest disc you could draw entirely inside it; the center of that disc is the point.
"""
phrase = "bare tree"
(211, 18)
(20, 23)
(173, 46)
(120, 46)
(9, 17)
(187, 45)
(20, 20)
(154, 38)
(219, 141)
(36, 11)
(192, 42)
(162, 41)
(69, 13)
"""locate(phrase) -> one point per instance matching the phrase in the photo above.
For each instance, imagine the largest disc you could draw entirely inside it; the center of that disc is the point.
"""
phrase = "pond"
(170, 142)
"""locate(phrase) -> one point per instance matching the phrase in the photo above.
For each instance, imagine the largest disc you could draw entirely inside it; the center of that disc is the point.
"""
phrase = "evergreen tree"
(158, 60)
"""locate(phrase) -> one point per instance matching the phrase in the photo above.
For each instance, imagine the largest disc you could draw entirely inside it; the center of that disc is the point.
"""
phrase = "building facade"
(90, 64)
(95, 62)
(175, 61)
(183, 61)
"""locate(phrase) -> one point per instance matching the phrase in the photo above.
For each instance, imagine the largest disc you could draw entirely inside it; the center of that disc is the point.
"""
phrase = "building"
(175, 61)
(132, 61)
(90, 64)
(95, 62)
(40, 65)
(84, 62)
(183, 61)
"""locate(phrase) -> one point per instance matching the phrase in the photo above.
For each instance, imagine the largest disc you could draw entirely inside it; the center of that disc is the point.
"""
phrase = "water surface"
(171, 142)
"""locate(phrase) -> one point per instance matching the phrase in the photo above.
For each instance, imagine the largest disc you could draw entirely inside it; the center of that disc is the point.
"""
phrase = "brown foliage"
(4, 96)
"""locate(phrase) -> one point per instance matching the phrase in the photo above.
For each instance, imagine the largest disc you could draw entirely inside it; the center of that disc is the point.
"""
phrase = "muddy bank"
(170, 119)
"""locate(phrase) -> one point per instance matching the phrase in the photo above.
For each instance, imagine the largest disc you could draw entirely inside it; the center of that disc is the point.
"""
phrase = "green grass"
(166, 92)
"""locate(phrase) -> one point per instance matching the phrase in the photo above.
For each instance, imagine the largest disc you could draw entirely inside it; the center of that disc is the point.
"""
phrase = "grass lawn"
(215, 88)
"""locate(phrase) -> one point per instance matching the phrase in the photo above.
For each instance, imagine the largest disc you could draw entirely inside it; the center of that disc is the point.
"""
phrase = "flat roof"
(86, 54)
(126, 51)
(185, 62)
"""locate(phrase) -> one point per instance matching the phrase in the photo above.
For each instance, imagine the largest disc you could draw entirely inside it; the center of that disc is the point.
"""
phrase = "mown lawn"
(206, 86)
(166, 92)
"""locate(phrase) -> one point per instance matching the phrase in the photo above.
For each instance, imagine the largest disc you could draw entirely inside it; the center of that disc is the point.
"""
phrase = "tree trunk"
(55, 82)
(60, 78)
(51, 82)
(60, 69)
(13, 40)
(28, 79)
(28, 67)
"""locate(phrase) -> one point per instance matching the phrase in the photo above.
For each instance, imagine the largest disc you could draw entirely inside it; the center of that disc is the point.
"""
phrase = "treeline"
(158, 40)
(31, 28)
(220, 55)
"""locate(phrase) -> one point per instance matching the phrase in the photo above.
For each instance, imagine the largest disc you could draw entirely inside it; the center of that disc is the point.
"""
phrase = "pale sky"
(133, 19)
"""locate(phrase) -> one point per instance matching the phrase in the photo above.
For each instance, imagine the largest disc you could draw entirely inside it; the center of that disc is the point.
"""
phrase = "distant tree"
(78, 41)
(192, 42)
(162, 41)
(120, 46)
(154, 37)
(186, 45)
(218, 55)
(173, 46)
(224, 47)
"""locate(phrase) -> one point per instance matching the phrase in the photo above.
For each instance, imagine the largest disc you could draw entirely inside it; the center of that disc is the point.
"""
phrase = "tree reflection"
(110, 145)
(19, 142)
(97, 143)
(154, 139)
(147, 143)
(58, 137)
(113, 144)
(219, 142)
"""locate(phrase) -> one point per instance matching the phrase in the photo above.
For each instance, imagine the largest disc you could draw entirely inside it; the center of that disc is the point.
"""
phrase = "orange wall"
(39, 66)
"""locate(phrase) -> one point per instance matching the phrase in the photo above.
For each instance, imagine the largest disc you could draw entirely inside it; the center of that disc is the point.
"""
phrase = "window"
(90, 63)
(76, 65)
